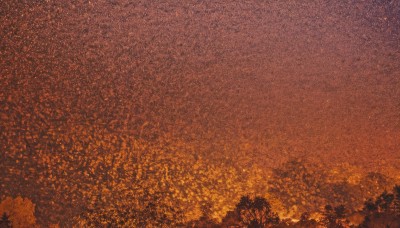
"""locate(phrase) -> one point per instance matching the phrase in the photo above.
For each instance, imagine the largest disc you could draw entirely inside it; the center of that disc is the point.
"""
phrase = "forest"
(253, 212)
(169, 184)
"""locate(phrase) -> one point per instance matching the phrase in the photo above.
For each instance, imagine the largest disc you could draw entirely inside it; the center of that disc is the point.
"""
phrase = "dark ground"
(289, 78)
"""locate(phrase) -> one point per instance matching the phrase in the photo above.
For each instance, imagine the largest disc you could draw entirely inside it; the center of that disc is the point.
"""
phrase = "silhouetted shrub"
(256, 212)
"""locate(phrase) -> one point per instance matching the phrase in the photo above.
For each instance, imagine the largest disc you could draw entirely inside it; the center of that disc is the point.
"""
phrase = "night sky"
(319, 79)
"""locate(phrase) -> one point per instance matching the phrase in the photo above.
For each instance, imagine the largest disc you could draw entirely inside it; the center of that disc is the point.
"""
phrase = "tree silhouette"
(384, 201)
(306, 221)
(369, 206)
(383, 211)
(396, 191)
(5, 221)
(334, 217)
(232, 218)
(256, 212)
(340, 212)
(329, 216)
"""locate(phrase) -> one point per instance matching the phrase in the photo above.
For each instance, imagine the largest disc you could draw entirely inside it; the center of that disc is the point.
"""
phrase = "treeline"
(163, 188)
(91, 176)
(301, 186)
(383, 211)
(253, 212)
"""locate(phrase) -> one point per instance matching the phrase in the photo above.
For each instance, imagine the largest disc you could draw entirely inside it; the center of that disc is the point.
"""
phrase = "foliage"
(91, 170)
(305, 186)
(383, 212)
(256, 212)
(306, 221)
(152, 213)
(5, 221)
(396, 204)
(297, 183)
(20, 211)
(335, 217)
